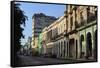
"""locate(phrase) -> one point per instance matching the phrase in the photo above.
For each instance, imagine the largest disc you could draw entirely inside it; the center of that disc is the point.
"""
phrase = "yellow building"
(63, 36)
(54, 34)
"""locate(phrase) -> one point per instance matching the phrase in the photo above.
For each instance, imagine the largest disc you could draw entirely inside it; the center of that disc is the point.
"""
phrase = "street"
(35, 60)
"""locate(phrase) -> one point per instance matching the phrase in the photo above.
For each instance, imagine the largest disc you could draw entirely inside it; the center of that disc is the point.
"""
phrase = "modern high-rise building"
(39, 21)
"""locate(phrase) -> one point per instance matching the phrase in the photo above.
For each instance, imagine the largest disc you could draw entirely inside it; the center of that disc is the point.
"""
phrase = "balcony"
(65, 33)
(76, 24)
(91, 18)
(54, 37)
(82, 23)
(74, 7)
(61, 34)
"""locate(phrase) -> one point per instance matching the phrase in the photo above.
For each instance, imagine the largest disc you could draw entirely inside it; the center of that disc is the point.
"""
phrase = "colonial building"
(74, 35)
(87, 31)
(52, 36)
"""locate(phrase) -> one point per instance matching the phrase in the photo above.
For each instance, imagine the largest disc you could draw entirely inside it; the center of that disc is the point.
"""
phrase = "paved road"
(30, 60)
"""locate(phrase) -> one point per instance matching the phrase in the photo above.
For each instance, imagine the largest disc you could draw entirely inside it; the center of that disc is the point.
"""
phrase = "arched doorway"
(64, 49)
(71, 48)
(89, 45)
(95, 44)
(76, 48)
(59, 50)
(67, 49)
(81, 40)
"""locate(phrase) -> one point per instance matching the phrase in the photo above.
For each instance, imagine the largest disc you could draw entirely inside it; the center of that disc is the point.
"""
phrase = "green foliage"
(19, 19)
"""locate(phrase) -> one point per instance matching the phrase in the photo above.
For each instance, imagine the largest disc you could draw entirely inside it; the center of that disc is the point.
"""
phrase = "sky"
(29, 9)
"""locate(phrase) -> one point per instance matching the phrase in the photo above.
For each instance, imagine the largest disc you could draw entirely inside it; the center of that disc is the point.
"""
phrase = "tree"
(19, 19)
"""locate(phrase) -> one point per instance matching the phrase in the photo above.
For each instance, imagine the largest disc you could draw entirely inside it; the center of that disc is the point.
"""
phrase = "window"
(59, 29)
(64, 26)
(81, 18)
(71, 22)
(81, 15)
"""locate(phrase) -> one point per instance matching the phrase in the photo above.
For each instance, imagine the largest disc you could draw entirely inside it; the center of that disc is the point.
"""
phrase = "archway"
(95, 44)
(89, 45)
(59, 49)
(81, 40)
(58, 55)
(71, 48)
(64, 49)
(76, 48)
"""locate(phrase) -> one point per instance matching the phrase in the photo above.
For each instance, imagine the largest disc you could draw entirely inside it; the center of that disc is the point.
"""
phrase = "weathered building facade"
(88, 32)
(74, 35)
